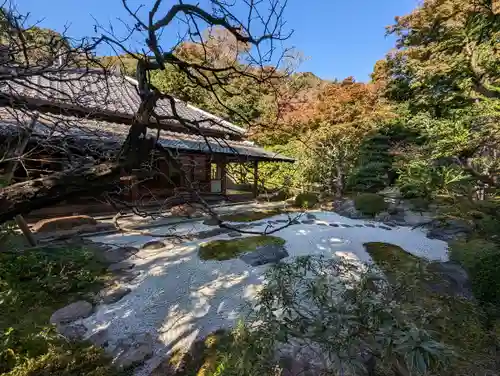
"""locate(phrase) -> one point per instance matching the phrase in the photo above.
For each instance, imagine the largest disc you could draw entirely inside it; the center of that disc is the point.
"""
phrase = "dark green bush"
(370, 203)
(481, 259)
(369, 177)
(306, 200)
(33, 284)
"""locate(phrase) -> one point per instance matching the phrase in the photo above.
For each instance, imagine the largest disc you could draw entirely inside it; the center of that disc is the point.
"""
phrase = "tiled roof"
(94, 91)
(62, 126)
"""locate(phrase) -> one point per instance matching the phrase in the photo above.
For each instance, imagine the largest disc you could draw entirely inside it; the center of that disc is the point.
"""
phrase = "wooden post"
(223, 177)
(255, 179)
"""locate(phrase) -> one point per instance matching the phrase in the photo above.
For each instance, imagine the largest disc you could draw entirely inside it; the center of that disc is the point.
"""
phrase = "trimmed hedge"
(306, 200)
(370, 204)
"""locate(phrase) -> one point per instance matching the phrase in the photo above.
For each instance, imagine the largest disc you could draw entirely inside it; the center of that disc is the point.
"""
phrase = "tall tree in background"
(446, 72)
(447, 55)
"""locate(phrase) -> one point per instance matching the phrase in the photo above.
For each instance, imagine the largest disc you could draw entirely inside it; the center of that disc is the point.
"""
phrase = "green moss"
(370, 203)
(481, 259)
(306, 200)
(391, 258)
(250, 216)
(230, 249)
(34, 284)
(456, 321)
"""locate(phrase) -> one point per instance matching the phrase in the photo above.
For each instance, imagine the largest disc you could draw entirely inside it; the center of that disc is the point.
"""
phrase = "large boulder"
(347, 209)
(449, 230)
(267, 254)
(452, 279)
(72, 312)
(63, 223)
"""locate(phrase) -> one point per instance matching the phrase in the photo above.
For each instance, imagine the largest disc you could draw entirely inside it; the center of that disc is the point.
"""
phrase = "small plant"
(306, 200)
(370, 204)
(230, 249)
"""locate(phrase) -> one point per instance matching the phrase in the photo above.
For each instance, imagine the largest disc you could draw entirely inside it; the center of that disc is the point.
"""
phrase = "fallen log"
(24, 197)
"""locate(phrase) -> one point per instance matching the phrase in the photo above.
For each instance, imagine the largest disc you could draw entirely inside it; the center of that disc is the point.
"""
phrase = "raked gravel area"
(178, 298)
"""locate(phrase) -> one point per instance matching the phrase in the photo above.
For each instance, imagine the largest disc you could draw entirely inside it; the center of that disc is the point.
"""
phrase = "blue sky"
(339, 38)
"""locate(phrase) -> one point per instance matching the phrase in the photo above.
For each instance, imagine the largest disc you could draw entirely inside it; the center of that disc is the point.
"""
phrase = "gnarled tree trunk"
(22, 198)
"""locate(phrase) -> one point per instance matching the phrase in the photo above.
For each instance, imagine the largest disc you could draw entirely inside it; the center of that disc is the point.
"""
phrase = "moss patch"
(230, 249)
(34, 284)
(457, 322)
(250, 216)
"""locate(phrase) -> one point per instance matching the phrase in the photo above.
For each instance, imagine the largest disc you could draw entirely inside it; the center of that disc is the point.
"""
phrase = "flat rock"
(333, 225)
(133, 350)
(211, 233)
(72, 332)
(111, 295)
(385, 228)
(153, 245)
(321, 224)
(120, 266)
(234, 234)
(370, 225)
(282, 220)
(308, 221)
(390, 224)
(119, 254)
(267, 254)
(72, 312)
(345, 225)
(359, 226)
(63, 223)
(211, 221)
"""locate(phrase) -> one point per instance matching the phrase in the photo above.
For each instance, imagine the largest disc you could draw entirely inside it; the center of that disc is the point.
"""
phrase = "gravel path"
(179, 297)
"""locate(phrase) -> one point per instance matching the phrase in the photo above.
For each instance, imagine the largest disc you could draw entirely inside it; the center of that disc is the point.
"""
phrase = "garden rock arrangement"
(126, 352)
(401, 213)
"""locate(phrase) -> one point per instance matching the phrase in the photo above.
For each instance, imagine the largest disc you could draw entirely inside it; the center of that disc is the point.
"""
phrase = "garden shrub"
(232, 248)
(481, 259)
(306, 200)
(370, 203)
(33, 284)
(332, 308)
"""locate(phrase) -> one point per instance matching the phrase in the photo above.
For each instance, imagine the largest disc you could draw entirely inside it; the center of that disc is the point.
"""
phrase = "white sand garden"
(178, 297)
